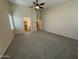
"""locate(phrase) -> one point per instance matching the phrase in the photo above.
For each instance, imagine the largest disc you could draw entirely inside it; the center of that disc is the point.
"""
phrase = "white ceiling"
(29, 3)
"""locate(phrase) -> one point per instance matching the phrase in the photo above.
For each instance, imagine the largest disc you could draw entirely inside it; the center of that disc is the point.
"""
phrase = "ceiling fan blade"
(41, 7)
(35, 9)
(42, 4)
(34, 3)
(37, 2)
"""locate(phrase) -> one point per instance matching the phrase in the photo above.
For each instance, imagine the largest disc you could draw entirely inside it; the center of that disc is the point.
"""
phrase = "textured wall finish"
(6, 34)
(62, 19)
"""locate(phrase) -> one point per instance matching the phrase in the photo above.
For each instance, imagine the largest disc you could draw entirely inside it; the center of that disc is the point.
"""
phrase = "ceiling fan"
(37, 5)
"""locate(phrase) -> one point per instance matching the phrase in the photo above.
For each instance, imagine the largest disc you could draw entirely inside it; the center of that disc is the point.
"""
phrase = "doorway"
(27, 24)
(38, 24)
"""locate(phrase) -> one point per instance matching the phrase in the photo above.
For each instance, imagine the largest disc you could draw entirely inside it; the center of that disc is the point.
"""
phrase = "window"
(11, 22)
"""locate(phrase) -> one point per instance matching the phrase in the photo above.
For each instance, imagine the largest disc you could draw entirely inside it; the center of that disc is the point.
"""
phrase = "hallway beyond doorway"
(27, 24)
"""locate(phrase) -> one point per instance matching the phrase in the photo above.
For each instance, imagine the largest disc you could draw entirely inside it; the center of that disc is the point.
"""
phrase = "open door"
(27, 24)
(38, 24)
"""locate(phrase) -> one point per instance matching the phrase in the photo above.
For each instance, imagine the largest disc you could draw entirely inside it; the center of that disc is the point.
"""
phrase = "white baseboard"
(6, 47)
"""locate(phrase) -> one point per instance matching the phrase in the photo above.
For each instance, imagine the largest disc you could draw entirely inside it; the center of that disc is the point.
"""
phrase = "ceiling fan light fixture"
(37, 7)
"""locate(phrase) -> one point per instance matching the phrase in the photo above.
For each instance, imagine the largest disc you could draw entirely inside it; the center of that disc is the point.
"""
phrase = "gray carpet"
(42, 45)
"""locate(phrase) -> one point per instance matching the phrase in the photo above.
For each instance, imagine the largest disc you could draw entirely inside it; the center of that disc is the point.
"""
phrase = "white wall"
(6, 34)
(61, 19)
(19, 12)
